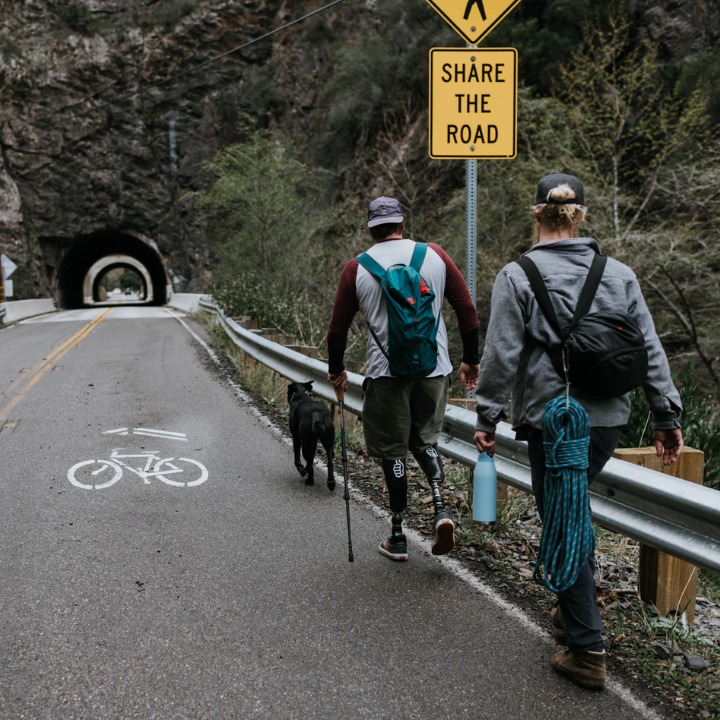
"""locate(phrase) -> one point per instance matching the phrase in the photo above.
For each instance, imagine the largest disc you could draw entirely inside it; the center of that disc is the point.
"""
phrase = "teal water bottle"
(484, 490)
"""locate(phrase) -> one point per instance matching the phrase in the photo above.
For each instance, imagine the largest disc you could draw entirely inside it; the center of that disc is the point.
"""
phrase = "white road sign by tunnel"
(8, 266)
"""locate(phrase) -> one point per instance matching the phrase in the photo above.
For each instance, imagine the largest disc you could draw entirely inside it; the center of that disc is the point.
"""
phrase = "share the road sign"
(473, 103)
(473, 19)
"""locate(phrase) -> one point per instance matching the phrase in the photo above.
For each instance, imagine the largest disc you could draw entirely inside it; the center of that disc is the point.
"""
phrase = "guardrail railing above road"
(666, 513)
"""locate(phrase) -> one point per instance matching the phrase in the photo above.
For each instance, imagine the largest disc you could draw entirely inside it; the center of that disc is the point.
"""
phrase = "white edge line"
(455, 567)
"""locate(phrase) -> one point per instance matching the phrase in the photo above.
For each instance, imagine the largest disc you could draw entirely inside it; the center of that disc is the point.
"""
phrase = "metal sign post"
(471, 226)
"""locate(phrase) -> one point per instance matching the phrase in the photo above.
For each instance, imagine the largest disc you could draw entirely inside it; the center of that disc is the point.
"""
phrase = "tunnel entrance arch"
(91, 286)
(91, 256)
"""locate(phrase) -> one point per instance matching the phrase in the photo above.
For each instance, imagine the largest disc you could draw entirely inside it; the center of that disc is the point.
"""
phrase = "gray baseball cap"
(384, 211)
(550, 182)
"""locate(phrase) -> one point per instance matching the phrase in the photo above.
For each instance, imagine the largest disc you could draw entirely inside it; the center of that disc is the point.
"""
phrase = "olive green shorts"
(399, 416)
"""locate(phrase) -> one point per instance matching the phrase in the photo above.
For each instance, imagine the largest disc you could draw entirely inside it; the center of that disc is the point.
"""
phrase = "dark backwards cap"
(550, 182)
(384, 211)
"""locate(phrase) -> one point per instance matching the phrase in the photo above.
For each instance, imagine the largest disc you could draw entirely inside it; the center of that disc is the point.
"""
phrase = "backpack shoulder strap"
(418, 256)
(585, 299)
(379, 272)
(541, 294)
(589, 289)
(372, 266)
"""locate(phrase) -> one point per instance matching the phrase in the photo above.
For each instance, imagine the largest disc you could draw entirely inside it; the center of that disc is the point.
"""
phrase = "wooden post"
(245, 321)
(667, 582)
(467, 403)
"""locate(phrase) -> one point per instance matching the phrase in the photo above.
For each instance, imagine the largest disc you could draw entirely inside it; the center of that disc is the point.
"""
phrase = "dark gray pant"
(578, 604)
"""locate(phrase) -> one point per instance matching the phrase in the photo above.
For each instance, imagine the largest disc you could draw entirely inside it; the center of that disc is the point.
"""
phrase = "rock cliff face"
(96, 148)
(108, 114)
(683, 28)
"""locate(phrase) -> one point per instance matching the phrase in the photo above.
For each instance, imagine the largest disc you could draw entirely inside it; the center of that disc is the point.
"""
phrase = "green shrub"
(290, 310)
(78, 17)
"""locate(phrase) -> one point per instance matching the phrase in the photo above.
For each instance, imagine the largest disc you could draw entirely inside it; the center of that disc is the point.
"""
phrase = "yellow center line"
(39, 370)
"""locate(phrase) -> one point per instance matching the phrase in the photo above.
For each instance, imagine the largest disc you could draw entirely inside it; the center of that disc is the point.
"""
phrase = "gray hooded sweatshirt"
(515, 360)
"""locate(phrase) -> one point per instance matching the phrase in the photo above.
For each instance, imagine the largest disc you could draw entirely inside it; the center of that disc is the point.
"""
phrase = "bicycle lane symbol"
(101, 474)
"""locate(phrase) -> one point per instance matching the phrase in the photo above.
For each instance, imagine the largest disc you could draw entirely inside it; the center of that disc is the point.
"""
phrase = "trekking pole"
(341, 396)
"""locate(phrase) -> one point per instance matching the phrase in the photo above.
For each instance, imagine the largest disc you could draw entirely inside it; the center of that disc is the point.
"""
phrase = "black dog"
(310, 421)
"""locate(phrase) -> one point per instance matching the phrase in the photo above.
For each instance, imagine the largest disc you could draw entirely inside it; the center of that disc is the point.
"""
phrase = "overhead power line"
(215, 59)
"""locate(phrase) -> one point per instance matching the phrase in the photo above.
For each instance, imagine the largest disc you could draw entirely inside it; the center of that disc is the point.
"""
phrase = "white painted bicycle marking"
(101, 474)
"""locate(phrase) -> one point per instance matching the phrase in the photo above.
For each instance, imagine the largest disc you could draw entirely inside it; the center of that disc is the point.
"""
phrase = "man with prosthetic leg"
(403, 414)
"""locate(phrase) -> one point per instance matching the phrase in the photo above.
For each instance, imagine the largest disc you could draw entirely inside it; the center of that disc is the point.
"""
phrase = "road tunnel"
(91, 257)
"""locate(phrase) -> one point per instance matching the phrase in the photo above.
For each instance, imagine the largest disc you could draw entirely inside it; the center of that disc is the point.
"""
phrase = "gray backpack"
(601, 354)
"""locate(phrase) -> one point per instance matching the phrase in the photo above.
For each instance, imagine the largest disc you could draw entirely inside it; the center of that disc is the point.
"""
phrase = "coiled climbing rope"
(568, 538)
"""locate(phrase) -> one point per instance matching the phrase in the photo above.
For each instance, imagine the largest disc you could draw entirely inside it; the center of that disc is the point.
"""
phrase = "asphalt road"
(232, 597)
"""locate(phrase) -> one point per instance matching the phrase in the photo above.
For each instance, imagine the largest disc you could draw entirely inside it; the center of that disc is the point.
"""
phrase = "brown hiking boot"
(557, 619)
(584, 669)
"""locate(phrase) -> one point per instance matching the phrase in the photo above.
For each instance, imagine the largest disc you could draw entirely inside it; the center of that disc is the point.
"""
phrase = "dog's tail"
(318, 425)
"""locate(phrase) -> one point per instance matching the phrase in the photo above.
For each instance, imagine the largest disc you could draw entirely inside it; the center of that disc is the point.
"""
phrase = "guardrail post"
(663, 580)
(245, 321)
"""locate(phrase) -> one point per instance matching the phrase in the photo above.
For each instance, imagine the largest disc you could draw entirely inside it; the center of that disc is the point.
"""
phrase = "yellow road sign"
(473, 19)
(473, 103)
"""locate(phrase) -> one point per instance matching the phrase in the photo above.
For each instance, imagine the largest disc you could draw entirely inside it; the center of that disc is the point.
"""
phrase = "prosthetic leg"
(431, 464)
(395, 547)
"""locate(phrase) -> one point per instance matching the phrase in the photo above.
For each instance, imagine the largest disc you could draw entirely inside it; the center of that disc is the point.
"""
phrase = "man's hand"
(468, 375)
(485, 442)
(339, 383)
(668, 444)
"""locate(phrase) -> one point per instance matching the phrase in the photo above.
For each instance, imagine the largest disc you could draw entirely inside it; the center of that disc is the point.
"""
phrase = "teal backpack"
(412, 327)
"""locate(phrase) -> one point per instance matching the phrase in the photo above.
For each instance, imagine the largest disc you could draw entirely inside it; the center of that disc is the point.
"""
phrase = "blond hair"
(559, 214)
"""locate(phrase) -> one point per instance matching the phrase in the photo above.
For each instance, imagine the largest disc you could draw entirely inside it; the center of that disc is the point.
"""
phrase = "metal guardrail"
(664, 512)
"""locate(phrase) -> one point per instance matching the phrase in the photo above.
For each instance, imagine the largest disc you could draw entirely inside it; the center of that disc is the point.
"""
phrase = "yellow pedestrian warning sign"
(473, 103)
(473, 19)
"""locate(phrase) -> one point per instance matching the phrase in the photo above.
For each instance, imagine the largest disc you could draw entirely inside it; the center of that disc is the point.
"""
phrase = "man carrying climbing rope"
(516, 359)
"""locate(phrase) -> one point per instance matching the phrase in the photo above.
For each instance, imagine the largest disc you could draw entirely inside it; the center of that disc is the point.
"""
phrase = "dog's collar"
(301, 392)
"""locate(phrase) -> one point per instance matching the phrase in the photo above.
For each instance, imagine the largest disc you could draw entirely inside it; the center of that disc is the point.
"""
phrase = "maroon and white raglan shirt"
(359, 291)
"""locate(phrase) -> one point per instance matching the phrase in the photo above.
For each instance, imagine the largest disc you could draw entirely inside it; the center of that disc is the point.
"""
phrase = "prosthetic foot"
(395, 547)
(431, 464)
